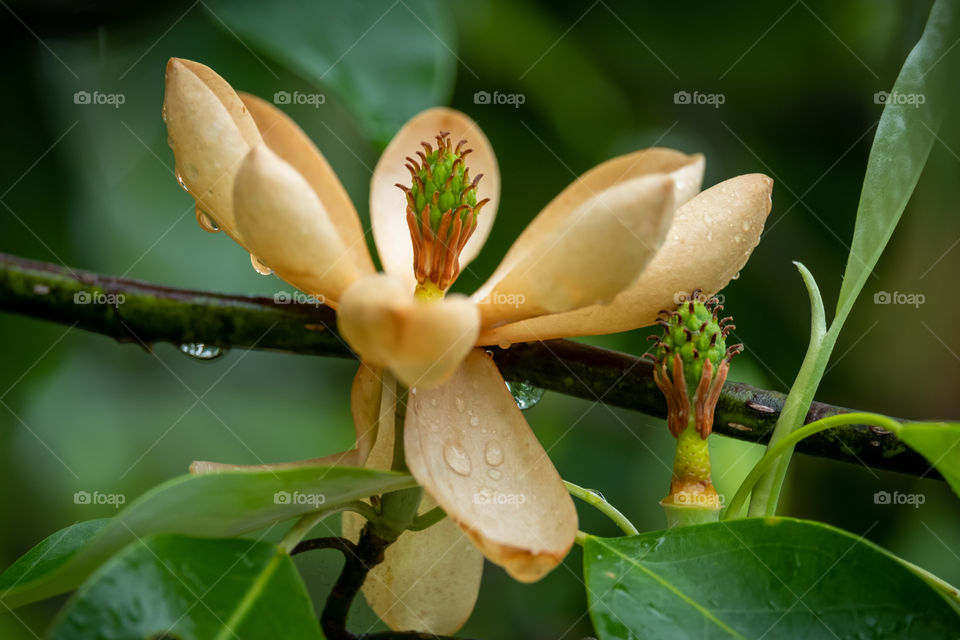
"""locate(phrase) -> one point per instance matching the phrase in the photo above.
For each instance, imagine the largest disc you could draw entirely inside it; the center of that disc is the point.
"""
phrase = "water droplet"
(206, 222)
(495, 474)
(525, 394)
(202, 351)
(597, 493)
(458, 403)
(736, 276)
(433, 402)
(709, 236)
(475, 421)
(738, 238)
(183, 185)
(457, 459)
(494, 453)
(746, 225)
(259, 267)
(504, 345)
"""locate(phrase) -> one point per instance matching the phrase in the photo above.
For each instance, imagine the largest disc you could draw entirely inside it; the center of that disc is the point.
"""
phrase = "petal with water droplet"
(287, 228)
(210, 132)
(525, 521)
(429, 580)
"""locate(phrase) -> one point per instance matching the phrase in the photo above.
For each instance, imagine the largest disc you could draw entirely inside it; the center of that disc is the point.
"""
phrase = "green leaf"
(758, 577)
(386, 60)
(902, 144)
(209, 505)
(192, 589)
(938, 442)
(51, 553)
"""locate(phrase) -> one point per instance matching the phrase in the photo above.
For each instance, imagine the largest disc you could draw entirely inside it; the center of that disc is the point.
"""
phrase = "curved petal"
(685, 170)
(710, 240)
(210, 132)
(429, 580)
(421, 342)
(287, 228)
(344, 459)
(388, 204)
(587, 257)
(365, 396)
(472, 450)
(288, 141)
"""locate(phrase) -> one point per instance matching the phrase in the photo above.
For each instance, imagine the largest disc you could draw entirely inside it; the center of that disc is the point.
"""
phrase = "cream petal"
(708, 243)
(421, 342)
(472, 450)
(429, 580)
(584, 258)
(365, 396)
(210, 132)
(388, 204)
(288, 141)
(287, 228)
(685, 170)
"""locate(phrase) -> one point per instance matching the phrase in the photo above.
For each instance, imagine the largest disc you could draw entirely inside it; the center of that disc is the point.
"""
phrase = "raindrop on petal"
(457, 459)
(494, 453)
(202, 351)
(525, 394)
(206, 222)
(259, 267)
(736, 276)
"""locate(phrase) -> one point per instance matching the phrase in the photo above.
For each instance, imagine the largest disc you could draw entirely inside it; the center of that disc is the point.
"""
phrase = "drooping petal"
(709, 241)
(472, 450)
(421, 342)
(288, 229)
(428, 580)
(210, 132)
(288, 141)
(583, 258)
(388, 204)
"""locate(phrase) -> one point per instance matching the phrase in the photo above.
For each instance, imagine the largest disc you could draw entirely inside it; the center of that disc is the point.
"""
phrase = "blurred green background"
(91, 186)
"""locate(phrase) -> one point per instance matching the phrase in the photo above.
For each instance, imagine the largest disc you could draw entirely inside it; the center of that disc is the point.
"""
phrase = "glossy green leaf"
(758, 577)
(911, 116)
(51, 553)
(209, 505)
(192, 589)
(938, 442)
(386, 60)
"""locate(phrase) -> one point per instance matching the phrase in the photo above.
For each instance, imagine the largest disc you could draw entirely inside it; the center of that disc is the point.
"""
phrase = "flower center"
(442, 210)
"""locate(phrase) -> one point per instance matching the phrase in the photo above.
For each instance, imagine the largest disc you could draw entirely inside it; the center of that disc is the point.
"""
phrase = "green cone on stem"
(691, 360)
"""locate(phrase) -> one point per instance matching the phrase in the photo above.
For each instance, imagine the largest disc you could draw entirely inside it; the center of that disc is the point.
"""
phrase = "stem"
(312, 519)
(775, 452)
(428, 519)
(344, 546)
(152, 313)
(596, 500)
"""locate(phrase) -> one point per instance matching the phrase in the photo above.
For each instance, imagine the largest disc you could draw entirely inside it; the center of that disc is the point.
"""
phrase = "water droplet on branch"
(202, 351)
(525, 394)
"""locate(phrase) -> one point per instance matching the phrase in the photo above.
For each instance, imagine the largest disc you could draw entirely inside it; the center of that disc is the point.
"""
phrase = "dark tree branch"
(151, 313)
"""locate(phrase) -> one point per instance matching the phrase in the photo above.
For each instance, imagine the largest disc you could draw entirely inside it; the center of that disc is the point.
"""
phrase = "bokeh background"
(91, 186)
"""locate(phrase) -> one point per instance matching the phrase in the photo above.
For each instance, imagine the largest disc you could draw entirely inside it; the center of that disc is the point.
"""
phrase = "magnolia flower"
(606, 255)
